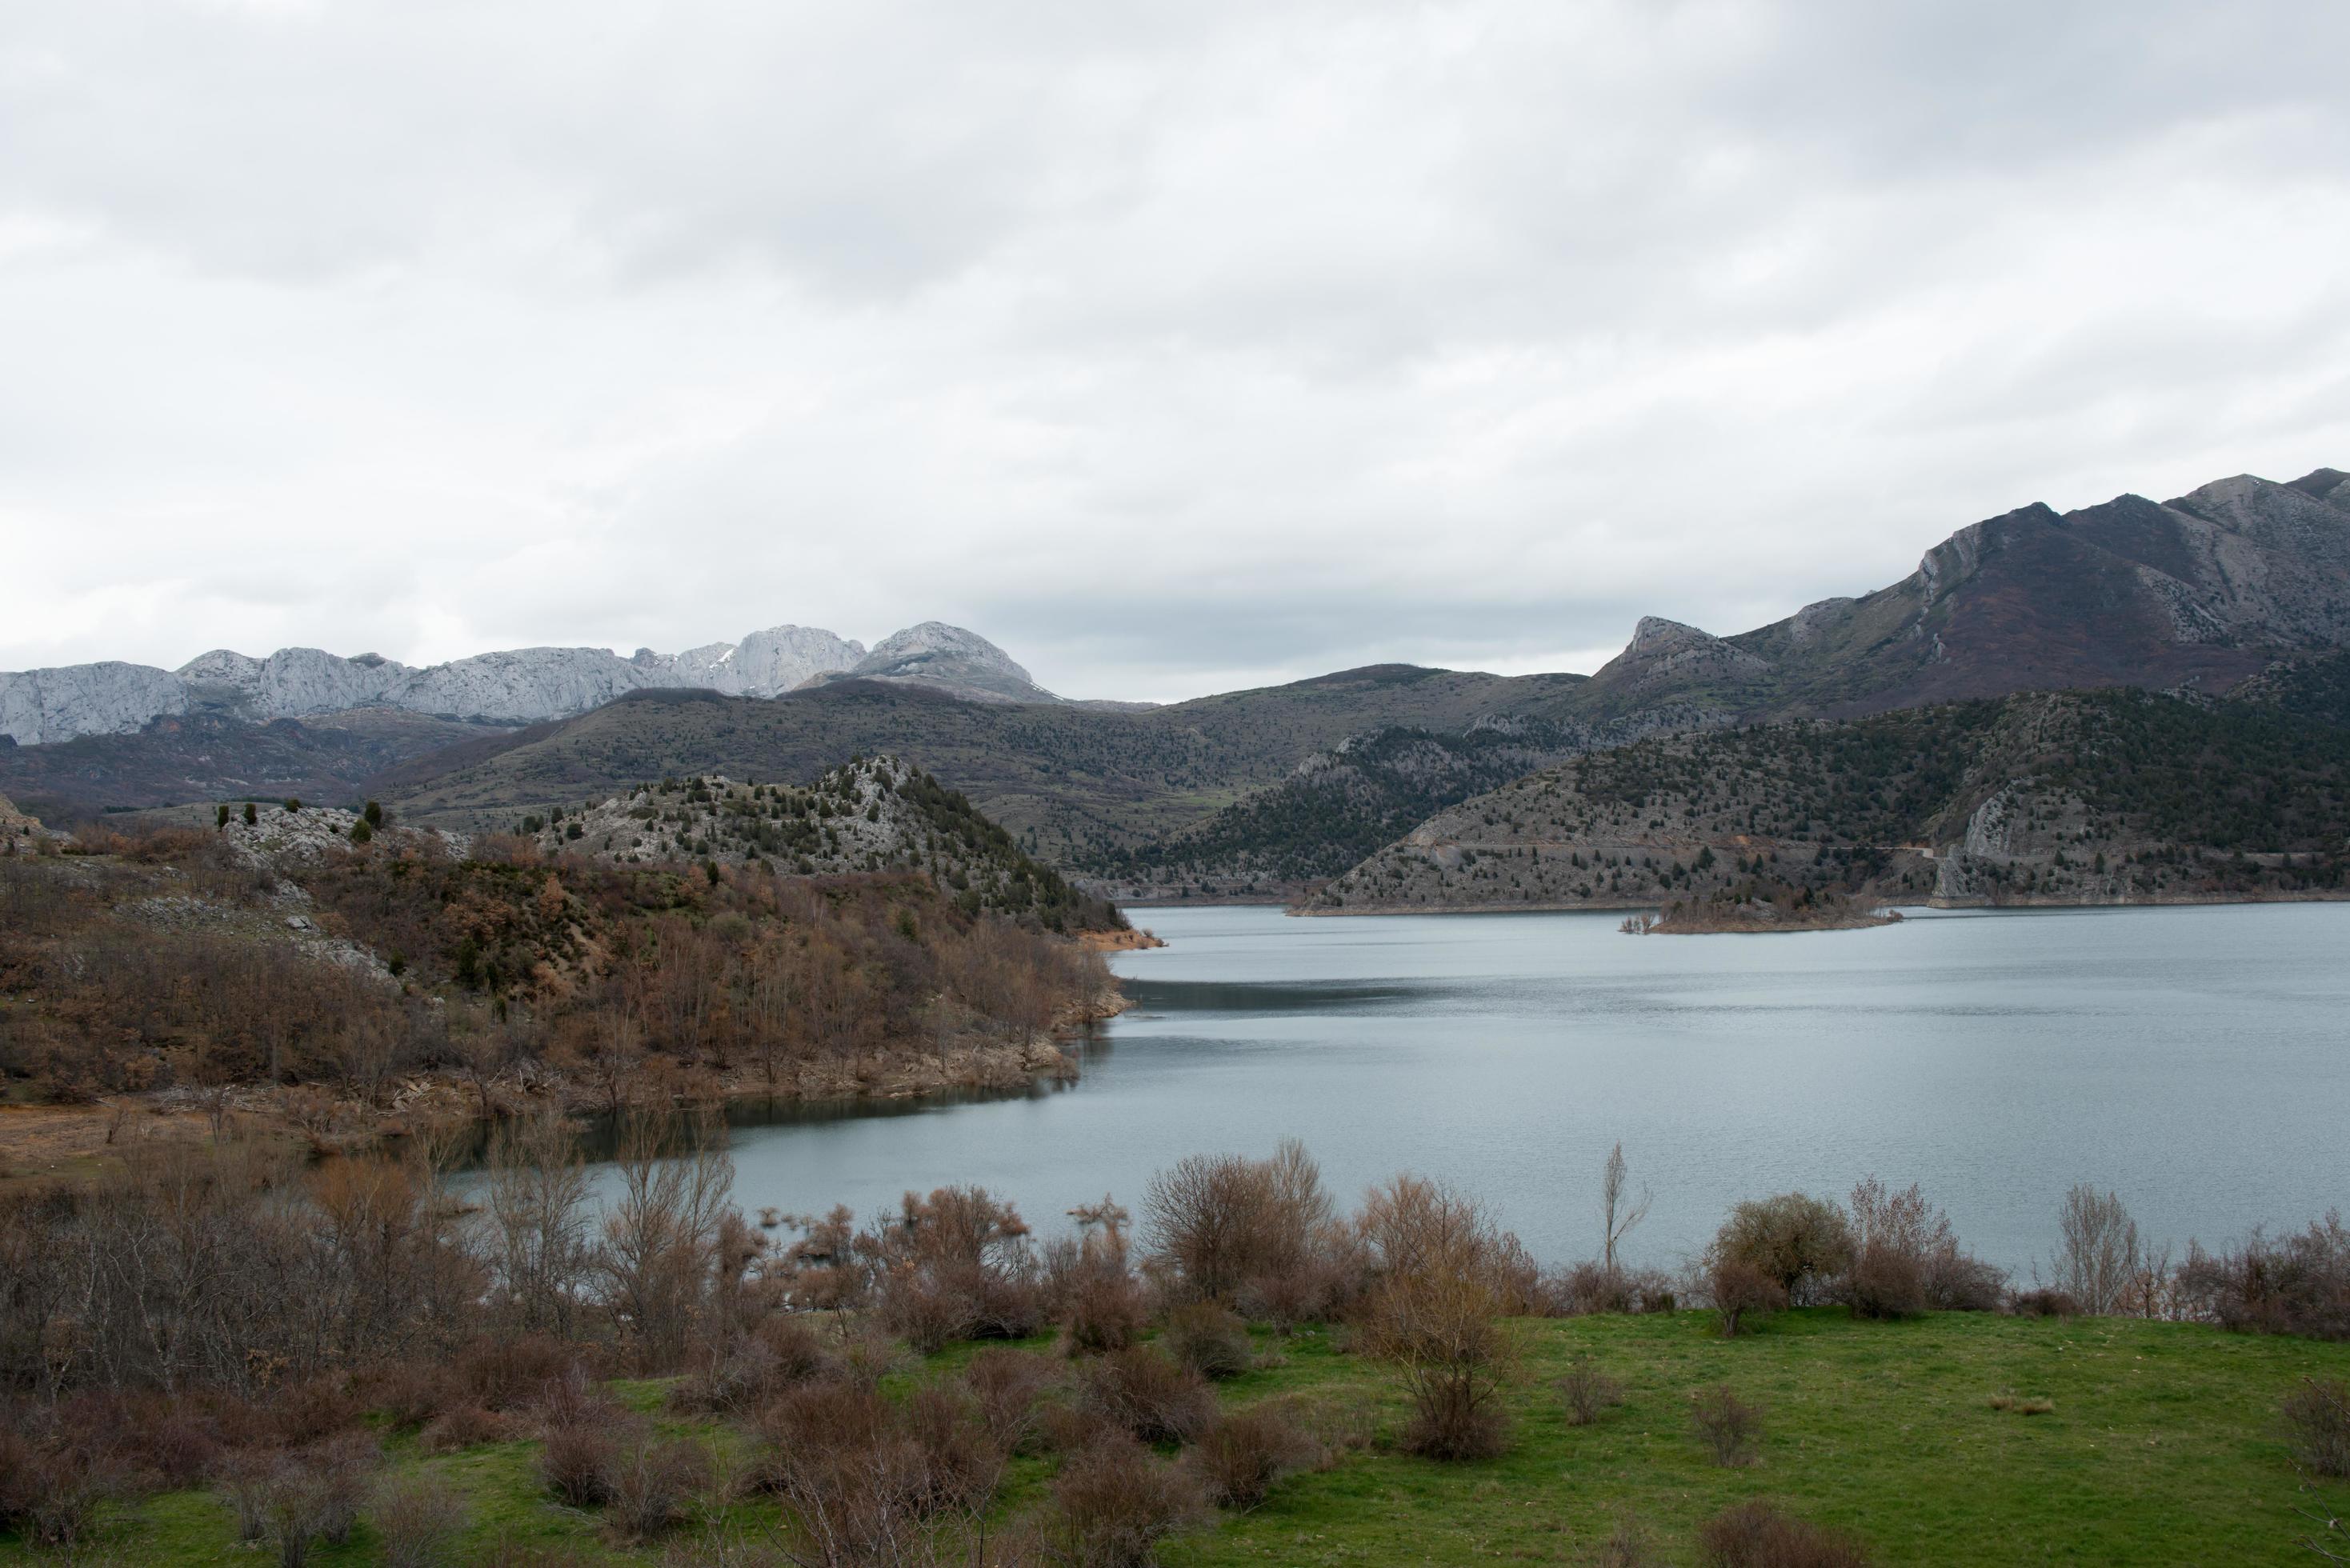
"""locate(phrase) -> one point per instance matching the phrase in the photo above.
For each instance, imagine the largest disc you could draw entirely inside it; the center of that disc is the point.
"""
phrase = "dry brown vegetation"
(167, 962)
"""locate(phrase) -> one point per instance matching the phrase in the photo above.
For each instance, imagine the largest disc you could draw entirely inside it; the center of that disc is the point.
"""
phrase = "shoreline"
(1597, 907)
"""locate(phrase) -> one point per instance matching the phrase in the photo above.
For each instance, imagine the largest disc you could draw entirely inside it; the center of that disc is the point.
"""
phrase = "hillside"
(875, 814)
(2083, 797)
(2203, 591)
(1071, 782)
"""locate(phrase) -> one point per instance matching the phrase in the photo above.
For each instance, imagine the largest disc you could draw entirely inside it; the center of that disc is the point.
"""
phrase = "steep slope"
(2083, 797)
(876, 813)
(2202, 591)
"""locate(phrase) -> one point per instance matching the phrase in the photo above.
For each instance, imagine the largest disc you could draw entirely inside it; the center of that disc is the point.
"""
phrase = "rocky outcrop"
(37, 706)
(292, 682)
(18, 832)
(951, 660)
(522, 686)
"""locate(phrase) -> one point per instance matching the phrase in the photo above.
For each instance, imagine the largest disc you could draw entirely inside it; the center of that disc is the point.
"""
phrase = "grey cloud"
(1164, 344)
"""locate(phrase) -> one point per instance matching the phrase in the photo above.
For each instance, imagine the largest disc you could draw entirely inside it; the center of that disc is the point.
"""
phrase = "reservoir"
(2195, 1060)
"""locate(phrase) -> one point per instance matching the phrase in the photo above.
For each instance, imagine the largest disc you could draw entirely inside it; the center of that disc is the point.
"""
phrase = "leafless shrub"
(1445, 1276)
(1113, 1503)
(1802, 1243)
(466, 1427)
(651, 1480)
(1626, 1546)
(1588, 1392)
(2045, 1303)
(1006, 1384)
(1141, 1390)
(2317, 1421)
(1730, 1427)
(661, 1233)
(51, 1498)
(1239, 1458)
(419, 1522)
(1886, 1282)
(1208, 1339)
(1217, 1222)
(1756, 1535)
(2299, 1284)
(1742, 1293)
(579, 1460)
(867, 1482)
(1905, 1259)
(1091, 1289)
(1586, 1288)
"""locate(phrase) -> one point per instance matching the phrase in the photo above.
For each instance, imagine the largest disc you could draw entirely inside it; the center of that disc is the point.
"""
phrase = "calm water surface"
(2196, 1060)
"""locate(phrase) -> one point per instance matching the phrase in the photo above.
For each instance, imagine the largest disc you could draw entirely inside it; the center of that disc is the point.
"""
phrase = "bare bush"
(1145, 1393)
(1585, 1288)
(1435, 1311)
(418, 1522)
(1006, 1384)
(1756, 1535)
(577, 1462)
(2317, 1422)
(1886, 1282)
(1218, 1222)
(2298, 1284)
(865, 1481)
(651, 1481)
(1730, 1428)
(1208, 1339)
(1588, 1392)
(661, 1253)
(1742, 1293)
(536, 1203)
(2043, 1303)
(466, 1427)
(1802, 1244)
(1091, 1289)
(1113, 1503)
(51, 1498)
(1239, 1458)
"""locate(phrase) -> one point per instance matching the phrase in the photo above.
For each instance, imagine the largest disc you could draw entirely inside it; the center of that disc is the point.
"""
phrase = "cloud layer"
(1175, 347)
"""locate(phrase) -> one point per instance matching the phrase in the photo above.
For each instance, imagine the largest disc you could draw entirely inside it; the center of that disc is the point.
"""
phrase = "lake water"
(2195, 1060)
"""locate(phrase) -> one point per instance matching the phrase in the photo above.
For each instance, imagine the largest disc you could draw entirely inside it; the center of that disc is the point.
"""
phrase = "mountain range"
(514, 687)
(2242, 585)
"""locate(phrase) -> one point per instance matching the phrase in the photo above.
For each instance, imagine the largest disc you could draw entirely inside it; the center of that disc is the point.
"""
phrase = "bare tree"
(661, 1235)
(1620, 1213)
(537, 1211)
(2099, 1261)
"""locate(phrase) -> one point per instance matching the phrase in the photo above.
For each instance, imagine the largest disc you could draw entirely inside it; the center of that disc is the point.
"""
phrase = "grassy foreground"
(2164, 1445)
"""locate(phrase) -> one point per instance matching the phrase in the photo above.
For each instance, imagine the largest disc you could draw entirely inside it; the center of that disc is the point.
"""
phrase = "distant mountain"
(2094, 797)
(518, 686)
(2202, 591)
(951, 660)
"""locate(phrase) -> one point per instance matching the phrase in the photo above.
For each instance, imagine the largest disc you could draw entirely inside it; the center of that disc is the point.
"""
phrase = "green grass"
(2163, 1445)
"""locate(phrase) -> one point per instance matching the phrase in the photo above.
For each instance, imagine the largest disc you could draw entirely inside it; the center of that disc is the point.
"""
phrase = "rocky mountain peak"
(954, 660)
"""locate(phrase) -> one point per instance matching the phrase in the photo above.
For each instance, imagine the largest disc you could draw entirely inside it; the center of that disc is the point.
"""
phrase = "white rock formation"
(38, 706)
(294, 681)
(520, 686)
(963, 662)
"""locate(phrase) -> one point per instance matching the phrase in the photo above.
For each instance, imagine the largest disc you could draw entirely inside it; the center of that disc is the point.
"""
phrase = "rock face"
(292, 681)
(2203, 591)
(952, 659)
(37, 706)
(520, 686)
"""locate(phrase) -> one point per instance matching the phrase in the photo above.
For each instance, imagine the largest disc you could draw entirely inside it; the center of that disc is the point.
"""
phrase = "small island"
(1782, 909)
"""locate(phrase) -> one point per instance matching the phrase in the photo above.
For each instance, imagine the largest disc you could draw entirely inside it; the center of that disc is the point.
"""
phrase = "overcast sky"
(1176, 347)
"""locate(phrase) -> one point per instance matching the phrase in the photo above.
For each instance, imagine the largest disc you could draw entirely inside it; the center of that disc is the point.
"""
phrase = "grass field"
(2164, 1445)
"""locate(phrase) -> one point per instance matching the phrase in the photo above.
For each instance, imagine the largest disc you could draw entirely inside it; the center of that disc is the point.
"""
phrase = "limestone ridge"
(952, 659)
(517, 686)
